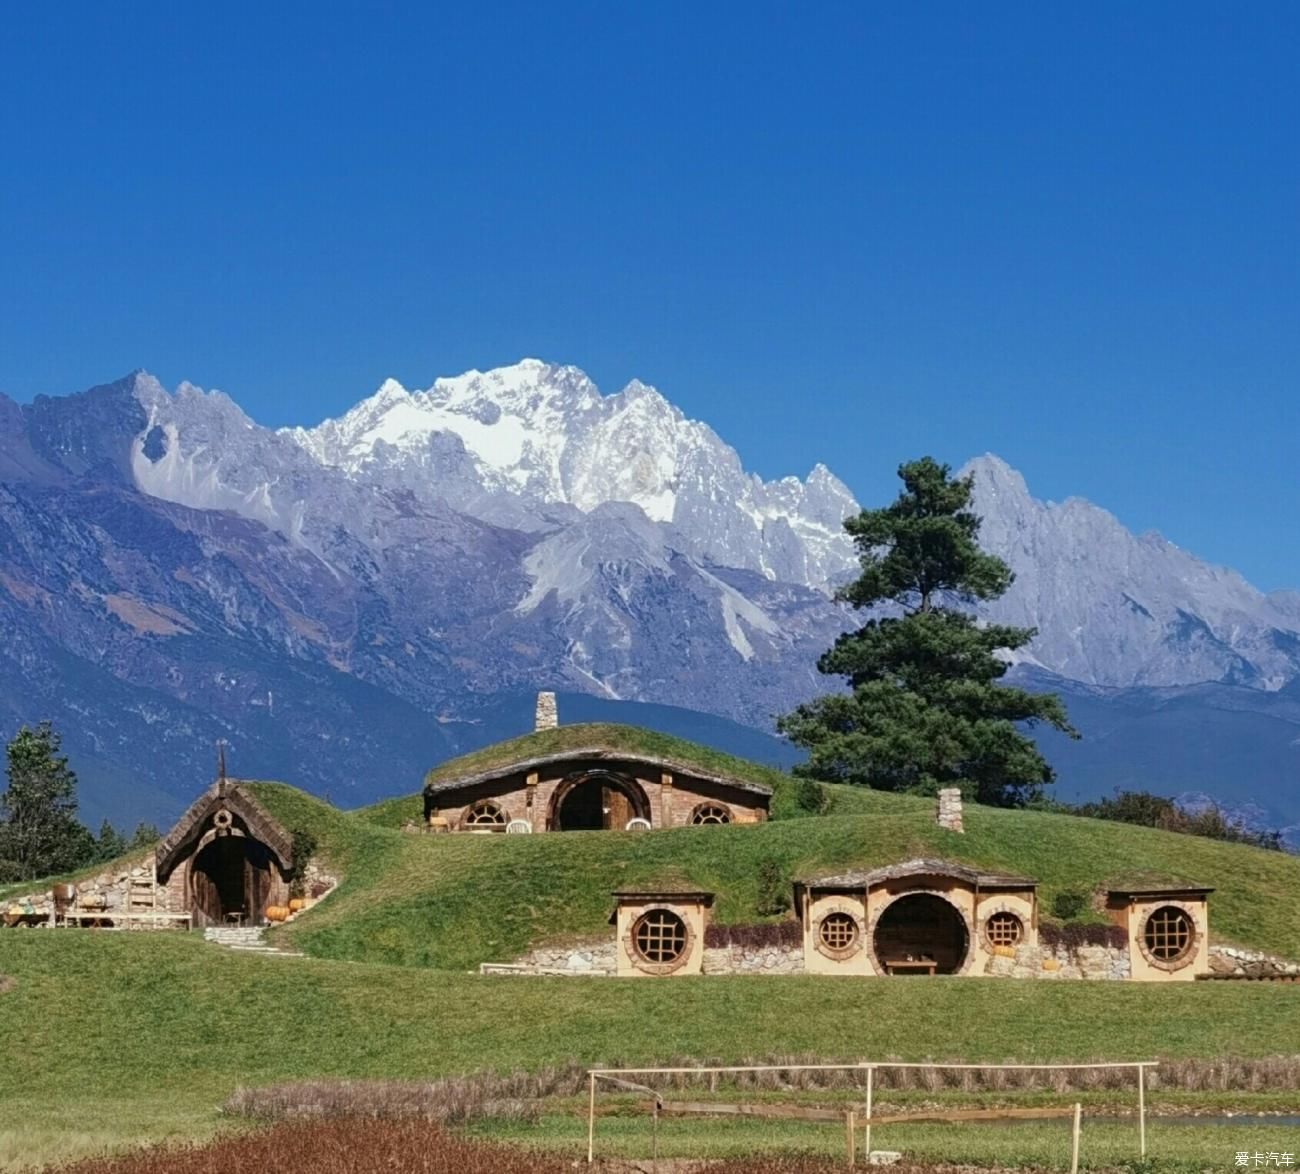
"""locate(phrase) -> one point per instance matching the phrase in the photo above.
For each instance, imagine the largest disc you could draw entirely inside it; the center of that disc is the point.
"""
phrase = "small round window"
(659, 937)
(710, 813)
(838, 933)
(485, 813)
(1004, 929)
(1168, 935)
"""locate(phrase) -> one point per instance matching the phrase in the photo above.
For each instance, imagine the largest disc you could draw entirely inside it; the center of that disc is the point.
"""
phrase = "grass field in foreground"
(99, 1025)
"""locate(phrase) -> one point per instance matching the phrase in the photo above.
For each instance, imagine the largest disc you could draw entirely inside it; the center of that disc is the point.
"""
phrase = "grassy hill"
(119, 1038)
(453, 901)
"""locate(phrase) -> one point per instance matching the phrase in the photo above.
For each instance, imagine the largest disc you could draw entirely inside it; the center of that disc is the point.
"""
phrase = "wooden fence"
(658, 1106)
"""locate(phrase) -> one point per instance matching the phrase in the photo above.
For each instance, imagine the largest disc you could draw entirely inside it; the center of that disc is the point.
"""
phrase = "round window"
(659, 937)
(839, 933)
(710, 813)
(485, 813)
(1168, 934)
(1004, 929)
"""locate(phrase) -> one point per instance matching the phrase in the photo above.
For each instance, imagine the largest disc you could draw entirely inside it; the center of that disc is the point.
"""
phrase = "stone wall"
(1228, 960)
(1061, 962)
(111, 891)
(598, 957)
(580, 958)
(778, 959)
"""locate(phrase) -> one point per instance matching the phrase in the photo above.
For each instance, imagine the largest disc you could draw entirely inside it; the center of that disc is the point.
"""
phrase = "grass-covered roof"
(602, 740)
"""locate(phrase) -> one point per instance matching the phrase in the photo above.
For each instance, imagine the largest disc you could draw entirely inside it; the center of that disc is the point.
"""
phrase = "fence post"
(866, 1128)
(591, 1119)
(1074, 1139)
(1142, 1110)
(850, 1128)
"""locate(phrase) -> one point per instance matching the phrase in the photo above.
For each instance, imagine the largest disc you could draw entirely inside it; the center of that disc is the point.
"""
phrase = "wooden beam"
(720, 1109)
(969, 1115)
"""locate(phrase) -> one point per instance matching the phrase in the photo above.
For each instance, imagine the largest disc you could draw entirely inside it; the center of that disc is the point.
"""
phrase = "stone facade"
(1098, 963)
(598, 957)
(1229, 961)
(778, 959)
(128, 886)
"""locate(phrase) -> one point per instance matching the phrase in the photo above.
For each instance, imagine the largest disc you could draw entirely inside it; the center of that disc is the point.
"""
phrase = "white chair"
(637, 825)
(518, 827)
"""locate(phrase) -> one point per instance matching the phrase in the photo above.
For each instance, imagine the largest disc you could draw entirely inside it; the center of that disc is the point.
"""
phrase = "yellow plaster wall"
(817, 906)
(694, 913)
(1199, 962)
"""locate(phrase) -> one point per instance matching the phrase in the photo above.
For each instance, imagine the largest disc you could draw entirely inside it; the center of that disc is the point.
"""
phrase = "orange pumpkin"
(276, 912)
(296, 903)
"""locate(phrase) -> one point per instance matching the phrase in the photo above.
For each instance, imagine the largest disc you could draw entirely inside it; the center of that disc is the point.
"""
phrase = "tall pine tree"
(925, 708)
(39, 832)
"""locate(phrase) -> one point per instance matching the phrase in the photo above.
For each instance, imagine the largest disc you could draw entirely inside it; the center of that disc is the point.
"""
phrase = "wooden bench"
(910, 966)
(122, 918)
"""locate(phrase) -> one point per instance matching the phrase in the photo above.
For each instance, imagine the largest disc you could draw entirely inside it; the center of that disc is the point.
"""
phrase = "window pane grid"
(838, 931)
(1003, 929)
(1168, 933)
(660, 936)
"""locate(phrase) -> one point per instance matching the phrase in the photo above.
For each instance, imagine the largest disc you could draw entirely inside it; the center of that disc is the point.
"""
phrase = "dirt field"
(359, 1146)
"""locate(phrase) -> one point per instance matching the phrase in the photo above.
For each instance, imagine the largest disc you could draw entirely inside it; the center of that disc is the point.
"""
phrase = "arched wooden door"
(230, 874)
(597, 800)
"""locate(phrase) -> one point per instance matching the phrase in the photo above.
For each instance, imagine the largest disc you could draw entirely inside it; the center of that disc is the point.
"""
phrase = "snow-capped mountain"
(544, 435)
(171, 571)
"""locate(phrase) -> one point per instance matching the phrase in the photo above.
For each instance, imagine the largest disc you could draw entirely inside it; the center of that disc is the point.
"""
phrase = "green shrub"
(304, 848)
(1068, 904)
(811, 796)
(773, 888)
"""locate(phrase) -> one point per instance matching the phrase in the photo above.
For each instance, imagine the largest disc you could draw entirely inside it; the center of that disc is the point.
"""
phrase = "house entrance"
(917, 928)
(593, 802)
(230, 874)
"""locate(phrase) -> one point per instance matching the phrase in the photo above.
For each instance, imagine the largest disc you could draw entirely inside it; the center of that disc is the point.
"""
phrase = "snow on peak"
(543, 432)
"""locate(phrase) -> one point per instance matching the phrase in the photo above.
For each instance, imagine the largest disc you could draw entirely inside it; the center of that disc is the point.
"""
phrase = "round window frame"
(1188, 956)
(710, 806)
(986, 939)
(843, 953)
(643, 964)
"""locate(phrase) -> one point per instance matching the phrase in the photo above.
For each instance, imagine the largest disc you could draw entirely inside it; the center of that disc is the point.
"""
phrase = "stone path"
(247, 940)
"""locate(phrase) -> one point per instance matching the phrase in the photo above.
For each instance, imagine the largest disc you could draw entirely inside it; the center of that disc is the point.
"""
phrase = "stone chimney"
(949, 808)
(548, 718)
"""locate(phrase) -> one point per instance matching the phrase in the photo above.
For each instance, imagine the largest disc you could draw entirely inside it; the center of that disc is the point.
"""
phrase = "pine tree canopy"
(925, 708)
(39, 832)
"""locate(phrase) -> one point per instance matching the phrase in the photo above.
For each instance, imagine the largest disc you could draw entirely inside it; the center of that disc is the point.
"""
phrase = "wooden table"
(911, 966)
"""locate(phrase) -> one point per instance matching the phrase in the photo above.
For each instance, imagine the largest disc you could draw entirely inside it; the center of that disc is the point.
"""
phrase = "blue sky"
(853, 235)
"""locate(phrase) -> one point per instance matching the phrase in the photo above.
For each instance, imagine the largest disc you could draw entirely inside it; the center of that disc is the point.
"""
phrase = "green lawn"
(126, 1036)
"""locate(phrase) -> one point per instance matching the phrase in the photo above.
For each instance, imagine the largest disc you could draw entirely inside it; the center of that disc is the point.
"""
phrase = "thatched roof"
(864, 879)
(227, 793)
(610, 745)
